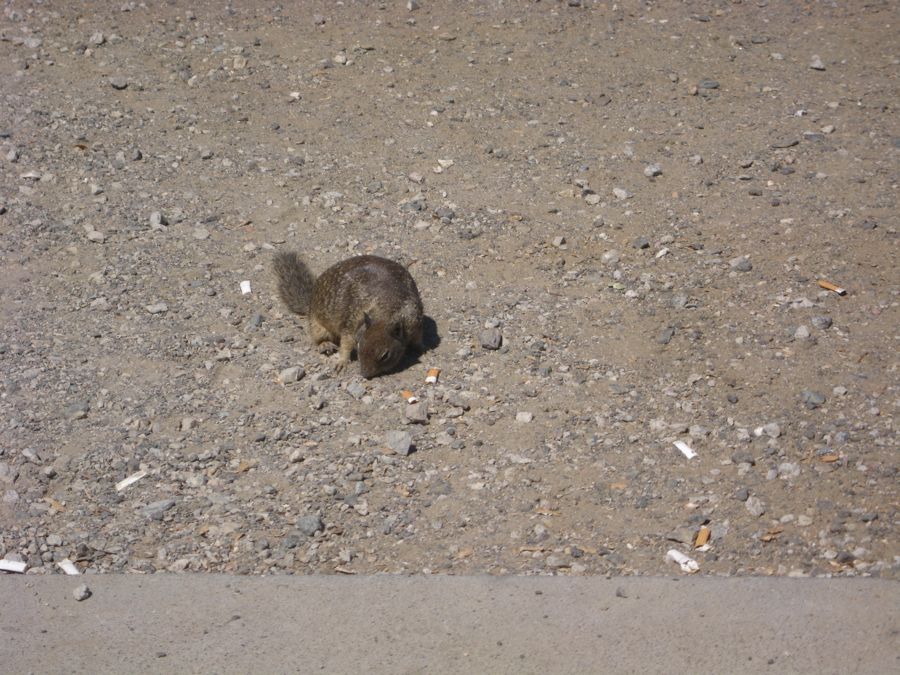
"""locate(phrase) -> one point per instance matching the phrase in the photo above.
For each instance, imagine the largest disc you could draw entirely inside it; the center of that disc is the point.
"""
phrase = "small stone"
(621, 193)
(118, 82)
(309, 525)
(708, 84)
(97, 39)
(156, 510)
(816, 63)
(399, 441)
(610, 257)
(741, 264)
(491, 338)
(524, 417)
(641, 243)
(77, 411)
(95, 236)
(812, 399)
(802, 333)
(804, 521)
(188, 423)
(652, 170)
(356, 389)
(742, 495)
(200, 233)
(8, 474)
(665, 336)
(416, 413)
(82, 592)
(822, 322)
(695, 160)
(54, 540)
(772, 430)
(157, 308)
(412, 5)
(755, 506)
(158, 220)
(291, 375)
(592, 198)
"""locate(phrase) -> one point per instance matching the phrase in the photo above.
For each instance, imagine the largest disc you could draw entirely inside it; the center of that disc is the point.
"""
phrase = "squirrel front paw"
(327, 348)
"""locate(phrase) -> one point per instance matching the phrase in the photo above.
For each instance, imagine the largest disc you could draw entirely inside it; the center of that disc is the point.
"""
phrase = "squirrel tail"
(295, 281)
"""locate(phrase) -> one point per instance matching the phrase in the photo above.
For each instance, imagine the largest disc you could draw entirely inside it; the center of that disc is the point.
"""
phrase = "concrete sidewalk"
(222, 624)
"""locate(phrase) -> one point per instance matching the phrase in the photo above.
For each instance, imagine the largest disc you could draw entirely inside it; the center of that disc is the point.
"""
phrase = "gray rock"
(665, 335)
(82, 592)
(77, 411)
(741, 264)
(156, 510)
(118, 82)
(755, 506)
(742, 495)
(652, 170)
(309, 525)
(812, 399)
(708, 84)
(416, 413)
(8, 474)
(816, 63)
(641, 242)
(356, 389)
(399, 441)
(291, 375)
(491, 338)
(821, 322)
(157, 308)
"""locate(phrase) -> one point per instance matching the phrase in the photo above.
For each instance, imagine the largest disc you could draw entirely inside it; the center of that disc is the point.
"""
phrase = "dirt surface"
(617, 215)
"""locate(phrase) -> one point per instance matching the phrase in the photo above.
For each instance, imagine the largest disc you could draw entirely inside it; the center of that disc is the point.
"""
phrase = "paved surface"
(223, 624)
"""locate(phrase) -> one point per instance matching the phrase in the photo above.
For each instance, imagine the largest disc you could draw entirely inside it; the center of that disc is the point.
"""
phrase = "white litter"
(686, 450)
(245, 286)
(13, 566)
(68, 567)
(688, 565)
(133, 478)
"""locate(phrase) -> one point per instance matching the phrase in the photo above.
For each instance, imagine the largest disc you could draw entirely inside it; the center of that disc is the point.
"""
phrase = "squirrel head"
(379, 346)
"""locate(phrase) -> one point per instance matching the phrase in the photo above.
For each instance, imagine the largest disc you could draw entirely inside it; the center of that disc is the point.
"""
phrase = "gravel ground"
(617, 214)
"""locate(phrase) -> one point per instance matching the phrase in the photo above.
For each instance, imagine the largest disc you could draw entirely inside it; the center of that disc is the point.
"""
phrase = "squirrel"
(366, 303)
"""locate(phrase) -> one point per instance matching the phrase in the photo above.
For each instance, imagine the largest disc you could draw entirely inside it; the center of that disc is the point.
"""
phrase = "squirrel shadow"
(430, 340)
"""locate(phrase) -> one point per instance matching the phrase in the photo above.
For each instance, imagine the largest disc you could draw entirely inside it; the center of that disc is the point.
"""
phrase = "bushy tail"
(295, 281)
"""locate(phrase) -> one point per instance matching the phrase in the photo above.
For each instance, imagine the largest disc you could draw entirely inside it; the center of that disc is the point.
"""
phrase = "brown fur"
(365, 303)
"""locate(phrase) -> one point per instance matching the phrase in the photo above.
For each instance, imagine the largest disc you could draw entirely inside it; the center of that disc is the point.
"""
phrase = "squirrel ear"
(364, 323)
(398, 332)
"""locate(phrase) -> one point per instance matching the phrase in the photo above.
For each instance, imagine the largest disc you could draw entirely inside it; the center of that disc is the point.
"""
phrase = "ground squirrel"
(366, 303)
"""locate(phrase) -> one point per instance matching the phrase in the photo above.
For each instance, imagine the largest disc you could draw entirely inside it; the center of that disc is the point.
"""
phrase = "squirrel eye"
(384, 356)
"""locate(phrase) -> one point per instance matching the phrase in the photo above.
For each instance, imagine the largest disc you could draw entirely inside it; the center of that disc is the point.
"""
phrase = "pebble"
(641, 243)
(816, 63)
(652, 170)
(742, 495)
(291, 375)
(156, 510)
(666, 334)
(118, 82)
(157, 308)
(524, 417)
(82, 592)
(621, 193)
(755, 506)
(802, 333)
(309, 525)
(741, 264)
(399, 441)
(821, 322)
(610, 257)
(416, 413)
(8, 474)
(491, 338)
(812, 399)
(158, 220)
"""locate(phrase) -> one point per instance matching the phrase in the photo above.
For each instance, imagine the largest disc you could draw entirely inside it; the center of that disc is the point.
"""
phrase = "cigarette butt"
(133, 478)
(68, 567)
(686, 450)
(408, 396)
(13, 566)
(245, 286)
(828, 286)
(432, 376)
(702, 536)
(688, 565)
